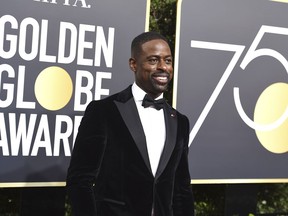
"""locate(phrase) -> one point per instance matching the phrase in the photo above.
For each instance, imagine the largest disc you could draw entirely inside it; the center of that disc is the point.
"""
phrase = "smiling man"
(130, 155)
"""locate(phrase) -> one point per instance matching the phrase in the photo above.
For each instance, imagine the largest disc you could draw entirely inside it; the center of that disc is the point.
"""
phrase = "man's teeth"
(161, 78)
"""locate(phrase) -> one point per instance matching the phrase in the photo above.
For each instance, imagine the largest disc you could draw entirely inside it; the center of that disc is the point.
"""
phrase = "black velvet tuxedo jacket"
(110, 174)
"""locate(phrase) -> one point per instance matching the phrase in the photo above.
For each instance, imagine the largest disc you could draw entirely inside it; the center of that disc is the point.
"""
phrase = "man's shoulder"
(176, 111)
(180, 115)
(119, 96)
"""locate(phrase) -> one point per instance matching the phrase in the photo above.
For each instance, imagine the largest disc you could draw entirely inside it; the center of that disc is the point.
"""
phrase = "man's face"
(153, 67)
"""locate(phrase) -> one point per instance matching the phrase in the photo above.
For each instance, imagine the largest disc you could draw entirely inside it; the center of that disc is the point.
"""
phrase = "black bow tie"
(149, 101)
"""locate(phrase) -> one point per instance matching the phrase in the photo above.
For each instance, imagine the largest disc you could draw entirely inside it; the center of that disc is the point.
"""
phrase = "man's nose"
(162, 65)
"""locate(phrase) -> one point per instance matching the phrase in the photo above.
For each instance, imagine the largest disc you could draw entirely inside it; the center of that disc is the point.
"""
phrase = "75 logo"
(252, 53)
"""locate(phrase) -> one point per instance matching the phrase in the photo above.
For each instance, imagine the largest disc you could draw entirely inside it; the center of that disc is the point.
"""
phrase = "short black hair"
(143, 38)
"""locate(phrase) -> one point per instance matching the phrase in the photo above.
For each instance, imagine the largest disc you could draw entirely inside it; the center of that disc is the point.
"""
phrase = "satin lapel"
(171, 134)
(129, 113)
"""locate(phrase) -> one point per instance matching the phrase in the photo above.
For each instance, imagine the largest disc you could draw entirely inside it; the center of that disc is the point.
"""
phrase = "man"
(130, 159)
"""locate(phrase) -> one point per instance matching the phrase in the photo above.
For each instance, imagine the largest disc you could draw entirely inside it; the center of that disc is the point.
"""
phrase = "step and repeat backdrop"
(231, 80)
(55, 57)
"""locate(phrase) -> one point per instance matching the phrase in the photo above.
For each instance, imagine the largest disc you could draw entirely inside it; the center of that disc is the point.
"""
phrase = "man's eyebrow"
(159, 56)
(153, 56)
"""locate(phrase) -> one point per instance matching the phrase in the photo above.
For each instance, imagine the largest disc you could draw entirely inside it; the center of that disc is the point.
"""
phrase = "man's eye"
(153, 61)
(168, 61)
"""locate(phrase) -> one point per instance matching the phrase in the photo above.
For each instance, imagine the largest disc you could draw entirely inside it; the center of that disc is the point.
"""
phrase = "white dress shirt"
(153, 123)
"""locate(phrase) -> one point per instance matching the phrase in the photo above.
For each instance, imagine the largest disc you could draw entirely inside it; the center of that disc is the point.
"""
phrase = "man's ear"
(132, 64)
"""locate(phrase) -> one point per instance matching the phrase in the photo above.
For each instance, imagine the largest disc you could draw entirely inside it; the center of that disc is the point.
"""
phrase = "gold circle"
(53, 88)
(271, 104)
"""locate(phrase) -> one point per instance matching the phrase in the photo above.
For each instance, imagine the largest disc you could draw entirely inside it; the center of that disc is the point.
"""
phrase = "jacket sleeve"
(183, 202)
(85, 161)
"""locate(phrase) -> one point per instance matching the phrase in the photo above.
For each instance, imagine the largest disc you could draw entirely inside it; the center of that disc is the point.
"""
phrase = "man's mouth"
(161, 78)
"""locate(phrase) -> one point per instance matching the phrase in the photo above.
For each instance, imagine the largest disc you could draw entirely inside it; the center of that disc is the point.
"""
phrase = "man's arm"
(183, 202)
(85, 161)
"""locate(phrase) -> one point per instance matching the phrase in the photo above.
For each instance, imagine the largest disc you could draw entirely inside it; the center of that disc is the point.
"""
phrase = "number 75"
(251, 54)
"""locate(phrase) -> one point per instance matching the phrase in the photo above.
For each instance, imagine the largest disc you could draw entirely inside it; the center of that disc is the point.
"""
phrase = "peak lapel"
(171, 133)
(129, 113)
